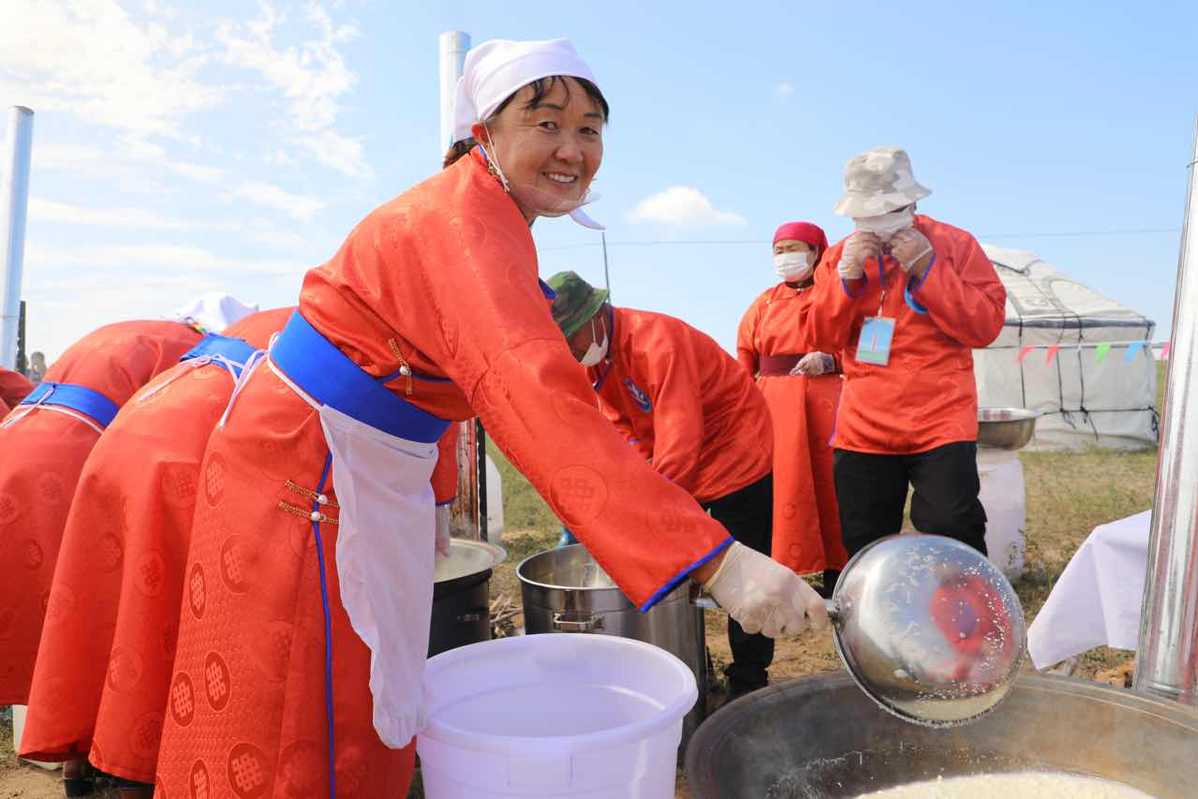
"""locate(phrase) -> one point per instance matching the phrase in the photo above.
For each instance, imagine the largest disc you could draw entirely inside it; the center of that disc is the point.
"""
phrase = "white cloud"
(165, 259)
(299, 206)
(312, 76)
(91, 59)
(125, 163)
(137, 218)
(784, 90)
(683, 206)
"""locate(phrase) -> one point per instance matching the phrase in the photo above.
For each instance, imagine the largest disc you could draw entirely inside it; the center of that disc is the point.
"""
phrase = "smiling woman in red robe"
(302, 639)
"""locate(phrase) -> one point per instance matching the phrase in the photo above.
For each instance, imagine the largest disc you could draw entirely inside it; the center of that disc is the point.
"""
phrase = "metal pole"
(14, 193)
(1167, 656)
(453, 46)
(606, 274)
(467, 520)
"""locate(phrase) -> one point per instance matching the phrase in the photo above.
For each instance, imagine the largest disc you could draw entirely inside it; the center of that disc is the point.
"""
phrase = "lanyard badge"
(877, 333)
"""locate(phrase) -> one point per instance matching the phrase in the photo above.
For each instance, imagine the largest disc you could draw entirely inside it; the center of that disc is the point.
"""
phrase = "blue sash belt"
(315, 364)
(234, 350)
(77, 398)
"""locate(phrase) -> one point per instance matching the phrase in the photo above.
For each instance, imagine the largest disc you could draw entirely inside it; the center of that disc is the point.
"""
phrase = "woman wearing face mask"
(304, 630)
(907, 298)
(689, 409)
(802, 388)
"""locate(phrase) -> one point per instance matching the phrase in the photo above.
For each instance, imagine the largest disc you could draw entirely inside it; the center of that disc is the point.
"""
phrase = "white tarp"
(1085, 401)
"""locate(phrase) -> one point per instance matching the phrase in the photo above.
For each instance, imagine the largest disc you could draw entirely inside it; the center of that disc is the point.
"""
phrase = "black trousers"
(749, 516)
(872, 490)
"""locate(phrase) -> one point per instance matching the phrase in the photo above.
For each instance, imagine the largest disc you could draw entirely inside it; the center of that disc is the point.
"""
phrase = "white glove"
(859, 248)
(814, 364)
(763, 595)
(908, 247)
(441, 541)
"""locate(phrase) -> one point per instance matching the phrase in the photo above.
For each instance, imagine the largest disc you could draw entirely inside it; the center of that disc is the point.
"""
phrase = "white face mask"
(595, 352)
(886, 225)
(540, 202)
(793, 267)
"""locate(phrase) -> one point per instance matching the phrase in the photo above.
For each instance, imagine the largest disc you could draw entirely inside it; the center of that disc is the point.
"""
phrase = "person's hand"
(911, 249)
(814, 364)
(441, 542)
(763, 595)
(860, 247)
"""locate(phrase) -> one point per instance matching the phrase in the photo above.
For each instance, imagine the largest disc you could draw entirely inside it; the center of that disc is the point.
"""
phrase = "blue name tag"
(873, 346)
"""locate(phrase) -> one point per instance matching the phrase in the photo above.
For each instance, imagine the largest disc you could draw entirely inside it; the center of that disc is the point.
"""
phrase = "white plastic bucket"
(1004, 497)
(554, 716)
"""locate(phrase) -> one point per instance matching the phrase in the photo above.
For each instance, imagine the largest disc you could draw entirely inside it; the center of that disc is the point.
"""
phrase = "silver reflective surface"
(820, 737)
(1167, 656)
(466, 558)
(1006, 428)
(928, 628)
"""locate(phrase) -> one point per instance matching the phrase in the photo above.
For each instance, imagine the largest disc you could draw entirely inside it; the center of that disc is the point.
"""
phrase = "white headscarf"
(214, 311)
(498, 68)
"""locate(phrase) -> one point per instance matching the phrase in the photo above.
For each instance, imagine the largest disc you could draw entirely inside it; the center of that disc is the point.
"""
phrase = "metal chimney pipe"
(1167, 656)
(14, 193)
(453, 46)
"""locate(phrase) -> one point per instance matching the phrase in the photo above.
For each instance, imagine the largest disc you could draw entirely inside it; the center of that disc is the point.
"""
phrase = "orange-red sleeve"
(746, 337)
(470, 281)
(445, 473)
(672, 375)
(14, 387)
(961, 292)
(834, 307)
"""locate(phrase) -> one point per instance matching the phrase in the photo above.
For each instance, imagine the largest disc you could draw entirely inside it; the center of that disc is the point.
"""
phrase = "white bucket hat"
(498, 68)
(214, 311)
(877, 182)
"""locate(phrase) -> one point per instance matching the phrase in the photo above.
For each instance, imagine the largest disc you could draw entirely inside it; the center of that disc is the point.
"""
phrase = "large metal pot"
(822, 737)
(565, 591)
(462, 595)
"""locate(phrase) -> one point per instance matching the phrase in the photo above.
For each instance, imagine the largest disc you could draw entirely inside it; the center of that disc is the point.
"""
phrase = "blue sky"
(228, 145)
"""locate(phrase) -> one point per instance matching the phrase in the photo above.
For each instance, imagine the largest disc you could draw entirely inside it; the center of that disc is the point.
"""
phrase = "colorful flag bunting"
(1052, 353)
(1023, 353)
(1133, 349)
(1100, 352)
(1165, 350)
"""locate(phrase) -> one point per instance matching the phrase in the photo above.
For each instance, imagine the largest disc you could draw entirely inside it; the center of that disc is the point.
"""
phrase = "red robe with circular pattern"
(444, 279)
(104, 662)
(14, 387)
(43, 453)
(803, 409)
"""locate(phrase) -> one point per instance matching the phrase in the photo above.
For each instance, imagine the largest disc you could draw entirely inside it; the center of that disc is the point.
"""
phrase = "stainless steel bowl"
(1006, 428)
(929, 628)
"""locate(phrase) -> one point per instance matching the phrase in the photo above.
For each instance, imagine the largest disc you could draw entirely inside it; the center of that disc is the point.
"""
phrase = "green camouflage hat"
(576, 302)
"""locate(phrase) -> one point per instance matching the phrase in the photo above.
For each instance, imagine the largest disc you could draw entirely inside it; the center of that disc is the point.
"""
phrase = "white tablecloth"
(1096, 601)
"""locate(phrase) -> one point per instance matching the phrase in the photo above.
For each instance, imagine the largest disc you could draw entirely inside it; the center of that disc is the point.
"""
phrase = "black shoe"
(78, 786)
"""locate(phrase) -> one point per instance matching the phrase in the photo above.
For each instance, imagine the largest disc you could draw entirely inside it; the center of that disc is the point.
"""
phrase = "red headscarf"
(802, 231)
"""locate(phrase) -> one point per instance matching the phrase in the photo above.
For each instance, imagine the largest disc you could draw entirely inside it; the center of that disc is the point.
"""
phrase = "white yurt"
(1098, 389)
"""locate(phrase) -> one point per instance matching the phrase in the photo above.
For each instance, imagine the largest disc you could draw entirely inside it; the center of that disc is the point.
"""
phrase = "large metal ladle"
(928, 628)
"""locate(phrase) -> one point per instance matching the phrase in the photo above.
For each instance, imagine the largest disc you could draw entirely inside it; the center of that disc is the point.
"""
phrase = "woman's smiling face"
(549, 153)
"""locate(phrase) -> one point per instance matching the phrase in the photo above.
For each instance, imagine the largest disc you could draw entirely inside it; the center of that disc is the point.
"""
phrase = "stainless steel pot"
(462, 595)
(565, 591)
(820, 738)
